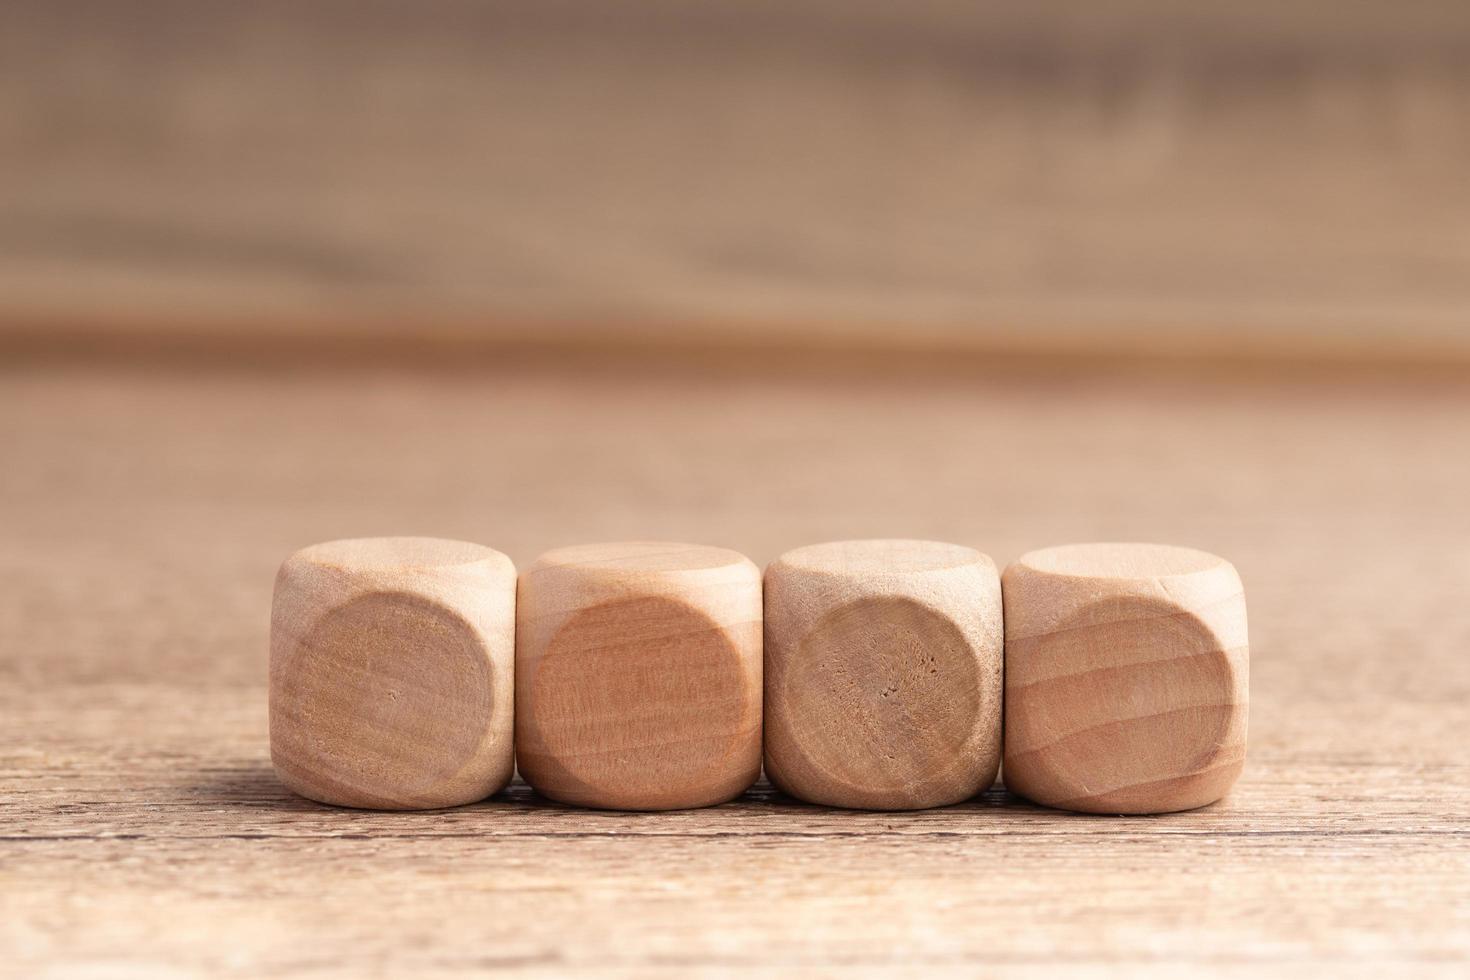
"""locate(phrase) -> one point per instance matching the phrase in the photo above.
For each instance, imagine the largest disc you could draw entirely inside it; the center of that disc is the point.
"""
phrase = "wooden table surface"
(143, 512)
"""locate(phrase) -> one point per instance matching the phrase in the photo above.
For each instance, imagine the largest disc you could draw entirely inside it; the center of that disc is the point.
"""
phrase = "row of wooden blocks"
(416, 673)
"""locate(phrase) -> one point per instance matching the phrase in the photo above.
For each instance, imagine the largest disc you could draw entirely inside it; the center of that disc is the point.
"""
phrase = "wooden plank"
(1054, 173)
(142, 832)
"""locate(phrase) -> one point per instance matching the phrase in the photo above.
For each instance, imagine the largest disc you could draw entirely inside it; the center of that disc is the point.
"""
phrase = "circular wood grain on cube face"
(882, 699)
(388, 696)
(1145, 716)
(643, 703)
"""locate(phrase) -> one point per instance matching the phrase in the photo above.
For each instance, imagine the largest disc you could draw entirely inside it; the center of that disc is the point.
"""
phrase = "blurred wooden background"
(1275, 179)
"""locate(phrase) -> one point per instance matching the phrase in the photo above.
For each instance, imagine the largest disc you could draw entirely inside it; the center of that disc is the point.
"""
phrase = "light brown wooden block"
(638, 675)
(391, 672)
(1126, 677)
(883, 674)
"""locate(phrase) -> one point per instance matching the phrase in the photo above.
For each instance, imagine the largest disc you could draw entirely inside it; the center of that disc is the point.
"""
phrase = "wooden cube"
(1126, 677)
(883, 674)
(638, 675)
(391, 669)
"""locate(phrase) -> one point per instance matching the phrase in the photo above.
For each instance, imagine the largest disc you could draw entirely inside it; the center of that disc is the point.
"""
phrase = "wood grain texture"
(391, 672)
(638, 675)
(143, 833)
(883, 673)
(1045, 175)
(1127, 677)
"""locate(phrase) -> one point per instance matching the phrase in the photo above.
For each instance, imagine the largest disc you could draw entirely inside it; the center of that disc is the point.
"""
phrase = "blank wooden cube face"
(638, 675)
(1126, 677)
(883, 673)
(391, 672)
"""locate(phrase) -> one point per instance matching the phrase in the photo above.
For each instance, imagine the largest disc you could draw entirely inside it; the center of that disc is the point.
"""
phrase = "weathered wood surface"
(1048, 171)
(144, 513)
